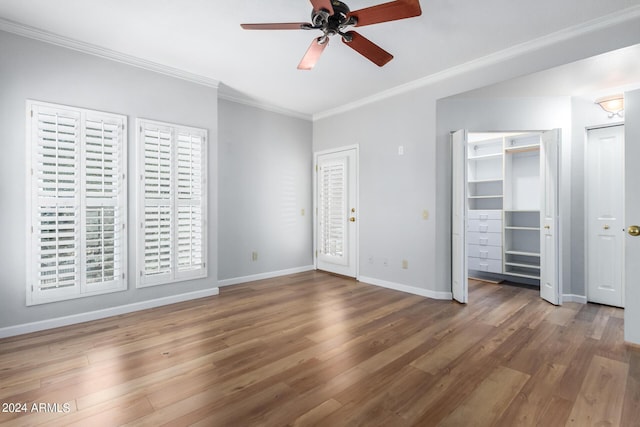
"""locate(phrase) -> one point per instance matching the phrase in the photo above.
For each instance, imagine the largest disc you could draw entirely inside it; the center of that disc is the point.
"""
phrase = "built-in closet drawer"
(484, 239)
(485, 252)
(488, 265)
(484, 215)
(485, 226)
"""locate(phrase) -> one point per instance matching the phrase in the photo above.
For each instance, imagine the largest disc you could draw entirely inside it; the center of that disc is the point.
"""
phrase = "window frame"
(174, 275)
(81, 202)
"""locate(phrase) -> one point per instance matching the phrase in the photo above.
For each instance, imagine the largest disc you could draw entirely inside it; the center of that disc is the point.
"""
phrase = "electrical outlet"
(254, 256)
(405, 264)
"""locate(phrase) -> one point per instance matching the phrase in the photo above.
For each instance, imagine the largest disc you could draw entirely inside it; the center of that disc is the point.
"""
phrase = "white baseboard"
(262, 276)
(42, 325)
(574, 298)
(408, 289)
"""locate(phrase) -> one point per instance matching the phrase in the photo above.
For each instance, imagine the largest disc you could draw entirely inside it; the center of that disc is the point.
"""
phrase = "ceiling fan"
(333, 17)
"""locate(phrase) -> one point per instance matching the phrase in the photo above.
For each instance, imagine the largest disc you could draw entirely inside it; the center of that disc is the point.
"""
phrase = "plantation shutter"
(104, 247)
(190, 181)
(173, 211)
(157, 214)
(77, 234)
(332, 209)
(55, 242)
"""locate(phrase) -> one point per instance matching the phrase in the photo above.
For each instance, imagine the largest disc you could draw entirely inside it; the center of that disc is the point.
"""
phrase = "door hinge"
(316, 254)
(32, 285)
(31, 113)
(316, 168)
(141, 273)
(122, 276)
(124, 226)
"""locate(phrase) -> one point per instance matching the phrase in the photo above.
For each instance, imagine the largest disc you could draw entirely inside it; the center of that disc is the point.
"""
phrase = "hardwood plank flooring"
(316, 349)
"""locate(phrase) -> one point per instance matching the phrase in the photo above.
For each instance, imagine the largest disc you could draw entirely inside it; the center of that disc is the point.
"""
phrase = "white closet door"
(459, 274)
(605, 206)
(336, 228)
(549, 236)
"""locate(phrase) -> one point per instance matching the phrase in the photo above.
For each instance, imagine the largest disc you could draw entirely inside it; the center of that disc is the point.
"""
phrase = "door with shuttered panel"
(336, 212)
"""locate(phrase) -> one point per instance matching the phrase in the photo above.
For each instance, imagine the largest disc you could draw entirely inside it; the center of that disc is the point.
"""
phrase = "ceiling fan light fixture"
(612, 104)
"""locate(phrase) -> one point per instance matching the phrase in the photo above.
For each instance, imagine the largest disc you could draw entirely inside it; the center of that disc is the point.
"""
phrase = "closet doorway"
(504, 210)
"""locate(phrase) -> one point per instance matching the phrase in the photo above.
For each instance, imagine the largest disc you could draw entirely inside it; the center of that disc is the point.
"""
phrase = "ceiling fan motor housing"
(333, 24)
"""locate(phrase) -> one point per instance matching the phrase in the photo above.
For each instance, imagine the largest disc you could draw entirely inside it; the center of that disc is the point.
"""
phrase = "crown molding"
(47, 37)
(607, 21)
(263, 106)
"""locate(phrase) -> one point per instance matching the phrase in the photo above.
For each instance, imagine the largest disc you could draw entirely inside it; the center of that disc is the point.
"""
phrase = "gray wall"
(265, 182)
(34, 70)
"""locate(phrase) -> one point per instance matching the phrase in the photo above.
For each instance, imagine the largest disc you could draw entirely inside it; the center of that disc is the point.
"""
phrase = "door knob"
(352, 219)
(547, 227)
(634, 230)
(606, 227)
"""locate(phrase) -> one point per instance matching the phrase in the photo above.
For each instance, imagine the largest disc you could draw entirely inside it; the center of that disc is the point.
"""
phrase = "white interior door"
(605, 208)
(336, 212)
(459, 273)
(631, 276)
(549, 236)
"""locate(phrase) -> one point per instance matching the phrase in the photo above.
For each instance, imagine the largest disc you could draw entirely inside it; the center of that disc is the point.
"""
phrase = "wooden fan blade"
(278, 26)
(322, 4)
(313, 54)
(391, 11)
(368, 49)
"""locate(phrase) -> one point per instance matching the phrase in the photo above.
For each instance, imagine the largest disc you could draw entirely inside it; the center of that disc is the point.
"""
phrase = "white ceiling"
(204, 37)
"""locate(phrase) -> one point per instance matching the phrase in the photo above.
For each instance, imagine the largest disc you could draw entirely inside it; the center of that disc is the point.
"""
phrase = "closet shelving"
(485, 185)
(504, 192)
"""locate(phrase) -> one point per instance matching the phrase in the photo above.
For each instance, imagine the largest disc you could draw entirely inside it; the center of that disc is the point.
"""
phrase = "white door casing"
(605, 209)
(336, 211)
(549, 234)
(459, 272)
(631, 278)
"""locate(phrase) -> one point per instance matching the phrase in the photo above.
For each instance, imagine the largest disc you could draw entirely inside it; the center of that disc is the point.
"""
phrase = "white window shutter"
(55, 237)
(172, 243)
(190, 182)
(104, 247)
(157, 215)
(77, 243)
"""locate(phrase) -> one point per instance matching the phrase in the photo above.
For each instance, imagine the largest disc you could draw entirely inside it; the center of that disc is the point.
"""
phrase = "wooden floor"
(314, 349)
